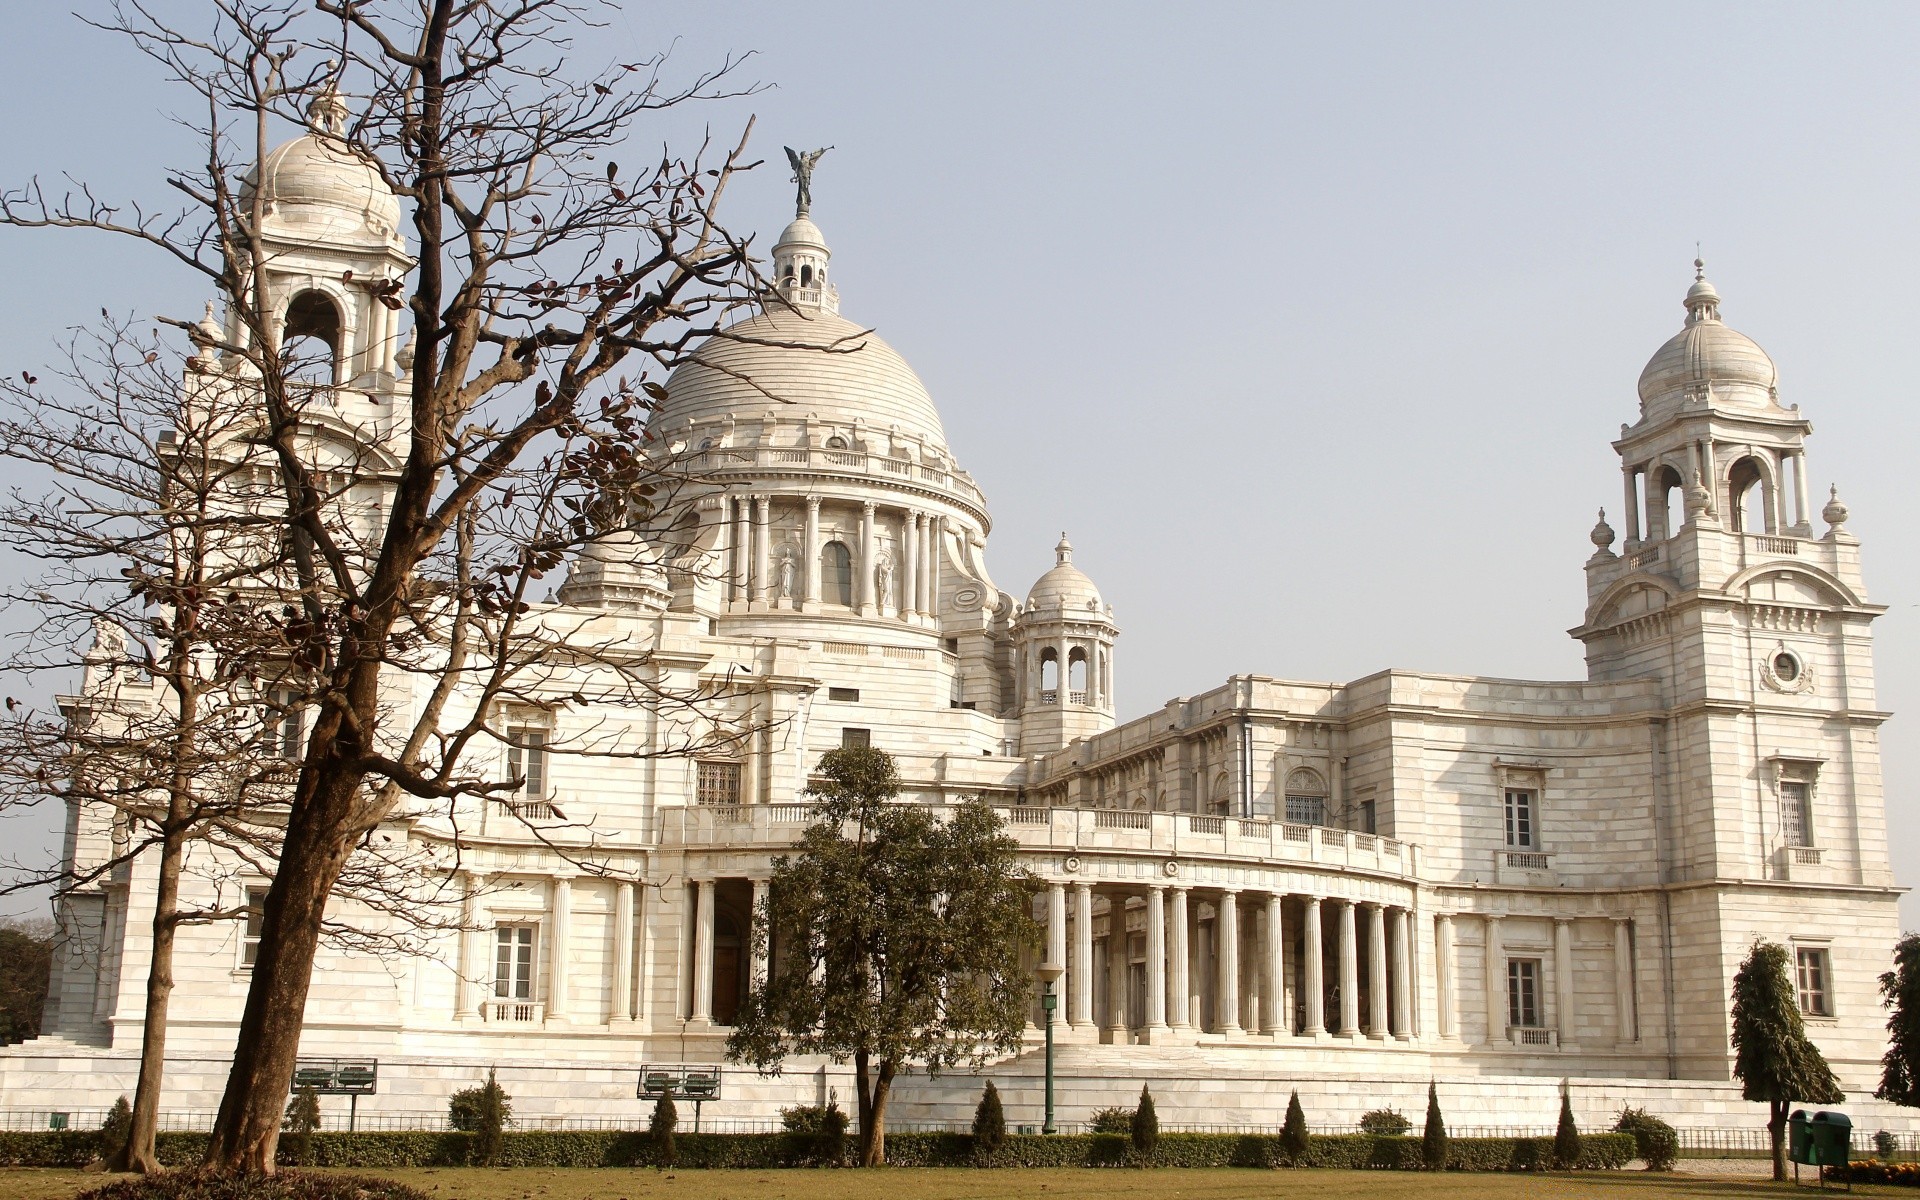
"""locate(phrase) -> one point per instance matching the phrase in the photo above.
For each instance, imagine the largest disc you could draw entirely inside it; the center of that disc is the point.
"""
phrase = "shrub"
(1384, 1122)
(302, 1121)
(816, 1134)
(1654, 1140)
(287, 1185)
(1885, 1145)
(493, 1112)
(116, 1130)
(989, 1124)
(1145, 1128)
(660, 1127)
(1566, 1137)
(1433, 1140)
(1111, 1120)
(1293, 1132)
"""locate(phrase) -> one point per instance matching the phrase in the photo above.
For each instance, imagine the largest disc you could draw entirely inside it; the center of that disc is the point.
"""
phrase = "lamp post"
(1049, 971)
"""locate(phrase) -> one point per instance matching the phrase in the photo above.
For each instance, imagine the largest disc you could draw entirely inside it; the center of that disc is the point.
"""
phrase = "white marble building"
(1348, 888)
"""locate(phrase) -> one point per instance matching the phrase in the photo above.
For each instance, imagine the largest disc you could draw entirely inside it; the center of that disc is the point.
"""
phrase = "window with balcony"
(255, 920)
(1306, 797)
(513, 962)
(717, 783)
(1796, 816)
(1813, 973)
(1523, 818)
(1523, 993)
(527, 761)
(286, 733)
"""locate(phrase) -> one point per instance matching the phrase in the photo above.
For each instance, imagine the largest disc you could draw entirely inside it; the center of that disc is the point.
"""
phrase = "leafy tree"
(1900, 991)
(1433, 1140)
(1145, 1129)
(1111, 1120)
(302, 1121)
(989, 1124)
(1773, 1058)
(493, 1112)
(1293, 1131)
(26, 964)
(1384, 1122)
(115, 1130)
(660, 1127)
(900, 938)
(1566, 1135)
(1657, 1143)
(816, 1134)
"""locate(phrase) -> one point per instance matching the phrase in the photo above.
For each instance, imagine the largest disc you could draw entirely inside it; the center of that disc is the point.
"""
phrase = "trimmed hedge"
(610, 1148)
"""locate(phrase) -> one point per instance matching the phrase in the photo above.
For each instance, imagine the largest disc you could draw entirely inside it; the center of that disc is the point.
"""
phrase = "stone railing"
(1080, 831)
(514, 1012)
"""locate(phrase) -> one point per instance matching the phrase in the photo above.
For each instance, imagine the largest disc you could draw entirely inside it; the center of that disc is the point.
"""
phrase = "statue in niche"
(883, 582)
(784, 589)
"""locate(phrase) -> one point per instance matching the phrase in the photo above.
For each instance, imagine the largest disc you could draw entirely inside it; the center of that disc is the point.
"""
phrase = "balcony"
(758, 460)
(1802, 864)
(1520, 867)
(514, 1012)
(1532, 1035)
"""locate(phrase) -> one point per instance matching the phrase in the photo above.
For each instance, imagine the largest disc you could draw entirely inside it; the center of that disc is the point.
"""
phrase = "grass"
(1064, 1184)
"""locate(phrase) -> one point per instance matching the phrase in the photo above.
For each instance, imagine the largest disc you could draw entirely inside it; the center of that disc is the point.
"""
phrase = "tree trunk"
(140, 1154)
(318, 842)
(873, 1151)
(863, 1102)
(1777, 1134)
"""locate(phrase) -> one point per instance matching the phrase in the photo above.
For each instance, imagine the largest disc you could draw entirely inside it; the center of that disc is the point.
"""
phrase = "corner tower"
(1063, 654)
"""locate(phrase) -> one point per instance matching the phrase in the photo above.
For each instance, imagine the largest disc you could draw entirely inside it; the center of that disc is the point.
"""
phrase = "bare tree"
(394, 588)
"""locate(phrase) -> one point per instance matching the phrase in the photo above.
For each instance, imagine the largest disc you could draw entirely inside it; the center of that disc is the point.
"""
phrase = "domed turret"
(617, 573)
(316, 185)
(1065, 586)
(1706, 358)
(1063, 651)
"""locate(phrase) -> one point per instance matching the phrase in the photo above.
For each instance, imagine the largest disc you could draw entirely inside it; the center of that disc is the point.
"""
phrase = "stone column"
(1625, 1019)
(909, 565)
(1443, 974)
(760, 953)
(1156, 1015)
(868, 560)
(643, 954)
(1226, 932)
(1349, 973)
(703, 953)
(1117, 1014)
(1496, 973)
(470, 964)
(1316, 983)
(930, 578)
(1632, 534)
(560, 902)
(1276, 1014)
(810, 570)
(1182, 1015)
(741, 549)
(1563, 980)
(1802, 515)
(1080, 994)
(1377, 971)
(621, 1010)
(1402, 974)
(762, 534)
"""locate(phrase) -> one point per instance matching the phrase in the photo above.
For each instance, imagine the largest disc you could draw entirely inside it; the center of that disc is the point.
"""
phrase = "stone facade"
(1346, 888)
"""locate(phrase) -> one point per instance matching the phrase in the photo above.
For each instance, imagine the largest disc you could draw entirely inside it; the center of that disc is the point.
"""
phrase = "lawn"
(1068, 1184)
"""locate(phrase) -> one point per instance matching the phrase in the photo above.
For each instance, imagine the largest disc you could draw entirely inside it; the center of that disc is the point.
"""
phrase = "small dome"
(1065, 586)
(1706, 352)
(617, 572)
(801, 231)
(318, 185)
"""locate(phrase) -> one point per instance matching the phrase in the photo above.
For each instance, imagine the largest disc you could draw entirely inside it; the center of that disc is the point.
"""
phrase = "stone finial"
(205, 337)
(327, 114)
(1699, 499)
(1703, 302)
(1063, 550)
(403, 358)
(1602, 535)
(1835, 513)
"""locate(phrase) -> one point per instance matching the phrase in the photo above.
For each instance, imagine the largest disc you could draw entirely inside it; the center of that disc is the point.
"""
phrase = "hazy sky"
(1311, 324)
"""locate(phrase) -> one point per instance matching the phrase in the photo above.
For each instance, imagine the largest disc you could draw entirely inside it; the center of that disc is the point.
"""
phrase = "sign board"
(680, 1081)
(337, 1076)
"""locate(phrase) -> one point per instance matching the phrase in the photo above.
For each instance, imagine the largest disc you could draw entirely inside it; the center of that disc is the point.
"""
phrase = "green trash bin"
(1832, 1135)
(1799, 1138)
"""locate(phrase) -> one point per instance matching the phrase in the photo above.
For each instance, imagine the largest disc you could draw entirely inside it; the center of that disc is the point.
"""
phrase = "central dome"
(1707, 354)
(803, 362)
(316, 182)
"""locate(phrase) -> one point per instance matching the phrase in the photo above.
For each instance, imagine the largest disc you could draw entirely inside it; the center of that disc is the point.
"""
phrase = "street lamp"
(1049, 971)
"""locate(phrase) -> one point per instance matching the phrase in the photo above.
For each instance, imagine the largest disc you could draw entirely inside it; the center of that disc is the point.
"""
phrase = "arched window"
(1668, 508)
(1750, 495)
(806, 276)
(310, 342)
(1220, 800)
(1306, 797)
(836, 573)
(836, 442)
(1077, 675)
(1049, 676)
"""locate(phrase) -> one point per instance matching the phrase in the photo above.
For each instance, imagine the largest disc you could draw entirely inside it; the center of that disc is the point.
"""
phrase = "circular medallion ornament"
(1071, 864)
(1171, 867)
(966, 598)
(1785, 671)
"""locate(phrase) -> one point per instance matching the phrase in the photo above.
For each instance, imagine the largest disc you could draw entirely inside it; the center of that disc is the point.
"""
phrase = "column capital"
(867, 506)
(1156, 887)
(813, 504)
(1081, 885)
(1564, 920)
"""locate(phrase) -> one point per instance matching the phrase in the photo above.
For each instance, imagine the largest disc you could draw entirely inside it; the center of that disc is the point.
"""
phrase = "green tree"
(26, 963)
(1657, 1143)
(302, 1121)
(1146, 1129)
(1773, 1059)
(1900, 991)
(493, 1113)
(899, 937)
(116, 1129)
(1566, 1135)
(1293, 1132)
(989, 1124)
(660, 1127)
(1433, 1140)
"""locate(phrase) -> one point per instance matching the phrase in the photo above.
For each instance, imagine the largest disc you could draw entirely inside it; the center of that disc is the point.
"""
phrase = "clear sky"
(1310, 324)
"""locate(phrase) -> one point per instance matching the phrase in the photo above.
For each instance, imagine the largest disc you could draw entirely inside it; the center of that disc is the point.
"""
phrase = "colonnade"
(1195, 978)
(903, 583)
(553, 998)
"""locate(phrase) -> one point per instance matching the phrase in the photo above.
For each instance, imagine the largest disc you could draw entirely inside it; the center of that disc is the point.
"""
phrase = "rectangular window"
(1814, 974)
(513, 962)
(717, 783)
(527, 761)
(288, 735)
(1368, 822)
(1796, 819)
(848, 695)
(256, 918)
(1523, 831)
(1523, 992)
(850, 738)
(1306, 810)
